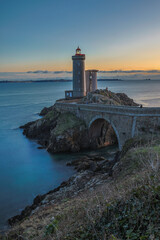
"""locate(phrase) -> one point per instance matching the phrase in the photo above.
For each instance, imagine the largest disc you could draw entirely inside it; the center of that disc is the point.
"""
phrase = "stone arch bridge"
(126, 121)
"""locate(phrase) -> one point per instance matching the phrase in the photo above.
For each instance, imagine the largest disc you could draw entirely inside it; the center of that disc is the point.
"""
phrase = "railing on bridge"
(118, 110)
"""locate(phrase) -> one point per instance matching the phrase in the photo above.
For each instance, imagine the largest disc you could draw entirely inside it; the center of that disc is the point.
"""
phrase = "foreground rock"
(64, 132)
(91, 171)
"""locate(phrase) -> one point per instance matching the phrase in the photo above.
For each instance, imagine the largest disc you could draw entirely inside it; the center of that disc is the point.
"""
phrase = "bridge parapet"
(119, 110)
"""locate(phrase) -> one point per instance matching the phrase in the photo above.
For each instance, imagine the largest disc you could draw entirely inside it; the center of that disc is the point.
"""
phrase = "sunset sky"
(114, 34)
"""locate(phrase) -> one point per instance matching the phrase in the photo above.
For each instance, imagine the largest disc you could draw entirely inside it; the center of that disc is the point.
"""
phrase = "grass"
(67, 121)
(125, 207)
(51, 115)
(137, 217)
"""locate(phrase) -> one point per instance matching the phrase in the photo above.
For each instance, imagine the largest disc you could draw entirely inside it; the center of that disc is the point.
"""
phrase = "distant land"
(54, 80)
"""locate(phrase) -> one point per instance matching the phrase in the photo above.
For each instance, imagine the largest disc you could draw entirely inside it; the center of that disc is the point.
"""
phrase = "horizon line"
(101, 71)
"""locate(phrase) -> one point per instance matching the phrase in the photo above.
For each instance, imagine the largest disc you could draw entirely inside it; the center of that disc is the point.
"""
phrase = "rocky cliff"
(64, 132)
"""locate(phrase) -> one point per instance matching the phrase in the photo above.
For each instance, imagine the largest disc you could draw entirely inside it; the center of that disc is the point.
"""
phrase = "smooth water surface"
(26, 171)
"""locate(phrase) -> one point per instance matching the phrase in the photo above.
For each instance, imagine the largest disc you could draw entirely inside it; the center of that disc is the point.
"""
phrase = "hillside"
(120, 201)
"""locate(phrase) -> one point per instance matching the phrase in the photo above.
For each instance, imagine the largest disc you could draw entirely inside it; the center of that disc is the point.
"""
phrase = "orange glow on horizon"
(65, 67)
(100, 63)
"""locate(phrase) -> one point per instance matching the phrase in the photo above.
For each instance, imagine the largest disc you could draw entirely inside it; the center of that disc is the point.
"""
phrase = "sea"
(25, 170)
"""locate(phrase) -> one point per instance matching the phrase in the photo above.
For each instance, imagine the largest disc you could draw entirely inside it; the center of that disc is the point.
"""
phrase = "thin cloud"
(38, 71)
(59, 72)
(55, 72)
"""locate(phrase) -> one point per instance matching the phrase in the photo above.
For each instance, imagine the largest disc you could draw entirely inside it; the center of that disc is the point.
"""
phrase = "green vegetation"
(138, 154)
(138, 217)
(51, 115)
(67, 121)
(52, 227)
(135, 216)
(127, 207)
(132, 143)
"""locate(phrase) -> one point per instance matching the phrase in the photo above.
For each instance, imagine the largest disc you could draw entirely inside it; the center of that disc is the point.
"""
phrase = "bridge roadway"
(126, 121)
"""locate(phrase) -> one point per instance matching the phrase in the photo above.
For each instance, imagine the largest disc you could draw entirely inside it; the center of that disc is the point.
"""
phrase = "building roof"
(78, 49)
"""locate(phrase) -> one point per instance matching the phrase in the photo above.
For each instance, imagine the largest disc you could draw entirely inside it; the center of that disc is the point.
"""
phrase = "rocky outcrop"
(104, 96)
(58, 132)
(46, 110)
(64, 132)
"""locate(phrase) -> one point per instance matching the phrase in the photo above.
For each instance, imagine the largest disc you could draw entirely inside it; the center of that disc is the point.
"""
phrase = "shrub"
(136, 218)
(52, 227)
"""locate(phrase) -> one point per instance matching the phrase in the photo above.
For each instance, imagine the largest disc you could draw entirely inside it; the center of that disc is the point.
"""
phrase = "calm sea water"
(26, 171)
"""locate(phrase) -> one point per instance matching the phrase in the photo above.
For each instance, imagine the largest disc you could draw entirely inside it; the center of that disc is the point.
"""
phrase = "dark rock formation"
(64, 132)
(46, 110)
(58, 132)
(104, 96)
(125, 100)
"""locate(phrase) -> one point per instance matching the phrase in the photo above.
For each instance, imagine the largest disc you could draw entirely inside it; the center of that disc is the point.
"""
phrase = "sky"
(121, 35)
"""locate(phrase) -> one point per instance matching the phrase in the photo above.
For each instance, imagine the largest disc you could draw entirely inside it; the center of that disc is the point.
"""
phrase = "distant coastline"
(54, 80)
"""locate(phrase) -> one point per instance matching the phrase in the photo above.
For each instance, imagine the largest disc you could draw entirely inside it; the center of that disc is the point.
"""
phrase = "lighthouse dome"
(78, 51)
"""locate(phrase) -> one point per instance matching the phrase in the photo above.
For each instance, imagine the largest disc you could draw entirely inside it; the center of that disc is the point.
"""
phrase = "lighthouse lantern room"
(78, 51)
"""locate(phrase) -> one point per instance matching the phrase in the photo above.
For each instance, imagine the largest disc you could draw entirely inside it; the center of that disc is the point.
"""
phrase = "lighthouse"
(83, 81)
(79, 81)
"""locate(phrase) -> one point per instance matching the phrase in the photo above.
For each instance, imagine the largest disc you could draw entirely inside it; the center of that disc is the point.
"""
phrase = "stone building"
(83, 81)
(91, 80)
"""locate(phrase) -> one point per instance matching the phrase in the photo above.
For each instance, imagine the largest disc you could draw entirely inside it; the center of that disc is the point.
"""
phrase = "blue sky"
(114, 34)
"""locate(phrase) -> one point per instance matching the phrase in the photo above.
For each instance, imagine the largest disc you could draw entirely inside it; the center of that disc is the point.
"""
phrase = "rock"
(61, 131)
(93, 163)
(83, 166)
(93, 166)
(125, 100)
(46, 110)
(38, 199)
(104, 96)
(40, 147)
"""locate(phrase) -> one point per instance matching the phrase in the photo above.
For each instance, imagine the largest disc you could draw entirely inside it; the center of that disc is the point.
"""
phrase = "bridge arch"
(99, 117)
